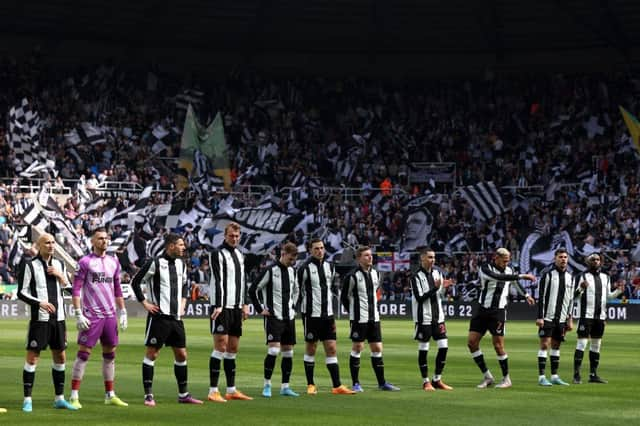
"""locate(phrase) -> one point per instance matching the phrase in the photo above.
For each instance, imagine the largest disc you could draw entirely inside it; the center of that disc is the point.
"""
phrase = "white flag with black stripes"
(485, 200)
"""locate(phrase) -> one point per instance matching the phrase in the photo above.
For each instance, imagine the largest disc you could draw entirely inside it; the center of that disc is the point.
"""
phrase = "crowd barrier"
(388, 309)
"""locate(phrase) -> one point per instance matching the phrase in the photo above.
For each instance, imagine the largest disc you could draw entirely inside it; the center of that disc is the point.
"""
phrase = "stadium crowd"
(554, 144)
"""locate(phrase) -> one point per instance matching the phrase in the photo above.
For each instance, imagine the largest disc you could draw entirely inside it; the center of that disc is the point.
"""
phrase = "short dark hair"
(99, 229)
(560, 250)
(171, 238)
(361, 249)
(425, 250)
(315, 240)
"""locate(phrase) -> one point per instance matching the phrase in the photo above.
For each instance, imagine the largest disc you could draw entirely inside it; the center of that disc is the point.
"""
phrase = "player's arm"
(184, 293)
(419, 295)
(143, 276)
(613, 293)
(25, 275)
(82, 322)
(302, 276)
(541, 298)
(255, 288)
(578, 285)
(215, 285)
(347, 288)
(295, 295)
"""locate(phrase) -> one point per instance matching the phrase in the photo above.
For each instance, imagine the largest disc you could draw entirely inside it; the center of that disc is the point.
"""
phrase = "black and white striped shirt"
(277, 291)
(315, 278)
(35, 286)
(166, 281)
(592, 301)
(494, 286)
(426, 298)
(359, 291)
(227, 285)
(556, 295)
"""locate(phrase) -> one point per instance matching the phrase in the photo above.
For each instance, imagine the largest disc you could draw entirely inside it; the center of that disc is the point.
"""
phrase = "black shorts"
(590, 328)
(424, 332)
(282, 331)
(370, 331)
(492, 320)
(165, 330)
(319, 329)
(228, 322)
(554, 329)
(47, 333)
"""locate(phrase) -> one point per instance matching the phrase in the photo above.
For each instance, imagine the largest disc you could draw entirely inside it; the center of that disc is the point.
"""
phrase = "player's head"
(232, 234)
(594, 261)
(46, 245)
(289, 254)
(427, 258)
(174, 245)
(316, 248)
(99, 240)
(502, 257)
(364, 257)
(561, 258)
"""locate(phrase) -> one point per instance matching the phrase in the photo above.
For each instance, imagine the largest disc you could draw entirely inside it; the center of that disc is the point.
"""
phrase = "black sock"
(308, 371)
(479, 360)
(58, 381)
(334, 371)
(504, 365)
(354, 366)
(147, 378)
(542, 365)
(422, 364)
(230, 371)
(214, 371)
(577, 361)
(286, 364)
(594, 361)
(555, 364)
(181, 377)
(28, 377)
(378, 367)
(441, 360)
(269, 365)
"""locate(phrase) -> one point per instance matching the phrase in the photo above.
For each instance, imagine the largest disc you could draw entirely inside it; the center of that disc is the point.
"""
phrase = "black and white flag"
(485, 200)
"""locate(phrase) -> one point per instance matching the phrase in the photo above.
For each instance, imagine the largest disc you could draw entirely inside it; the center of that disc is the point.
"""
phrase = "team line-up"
(279, 291)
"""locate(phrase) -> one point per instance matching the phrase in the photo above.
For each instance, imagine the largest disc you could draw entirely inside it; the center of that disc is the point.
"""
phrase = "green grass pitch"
(525, 403)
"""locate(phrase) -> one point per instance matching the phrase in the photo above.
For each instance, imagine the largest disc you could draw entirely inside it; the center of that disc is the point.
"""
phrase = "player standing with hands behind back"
(593, 288)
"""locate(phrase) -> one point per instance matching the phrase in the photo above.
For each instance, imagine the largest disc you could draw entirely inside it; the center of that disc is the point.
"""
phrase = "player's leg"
(545, 341)
(109, 340)
(422, 334)
(440, 335)
(597, 331)
(273, 349)
(503, 360)
(29, 376)
(58, 344)
(87, 339)
(556, 341)
(57, 375)
(357, 335)
(219, 330)
(177, 341)
(288, 342)
(148, 366)
(286, 365)
(310, 347)
(354, 364)
(477, 329)
(584, 330)
(374, 337)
